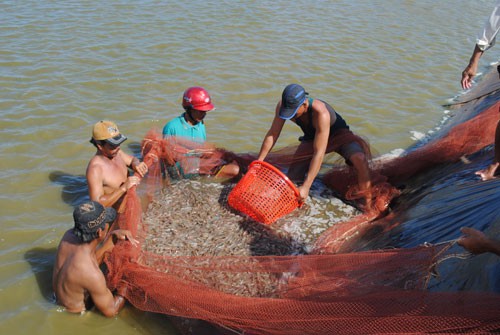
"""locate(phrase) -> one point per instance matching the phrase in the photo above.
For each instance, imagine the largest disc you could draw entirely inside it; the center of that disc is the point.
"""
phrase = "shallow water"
(386, 67)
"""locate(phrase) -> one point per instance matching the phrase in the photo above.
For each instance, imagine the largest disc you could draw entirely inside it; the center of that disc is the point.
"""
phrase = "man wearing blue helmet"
(324, 131)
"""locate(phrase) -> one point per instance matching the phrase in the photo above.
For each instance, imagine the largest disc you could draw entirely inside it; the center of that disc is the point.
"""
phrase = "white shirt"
(486, 38)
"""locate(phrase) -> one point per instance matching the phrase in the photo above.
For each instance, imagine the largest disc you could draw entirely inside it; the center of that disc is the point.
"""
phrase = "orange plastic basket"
(264, 193)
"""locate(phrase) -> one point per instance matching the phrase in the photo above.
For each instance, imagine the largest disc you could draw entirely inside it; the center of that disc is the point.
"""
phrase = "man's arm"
(272, 135)
(471, 69)
(477, 242)
(134, 163)
(95, 182)
(490, 171)
(111, 239)
(485, 40)
(95, 284)
(321, 122)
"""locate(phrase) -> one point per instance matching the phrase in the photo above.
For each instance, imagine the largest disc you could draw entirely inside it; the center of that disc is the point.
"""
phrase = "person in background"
(492, 170)
(325, 131)
(477, 242)
(486, 39)
(77, 279)
(190, 126)
(107, 172)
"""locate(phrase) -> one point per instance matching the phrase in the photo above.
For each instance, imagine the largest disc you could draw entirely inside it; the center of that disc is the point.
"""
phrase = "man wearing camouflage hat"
(77, 279)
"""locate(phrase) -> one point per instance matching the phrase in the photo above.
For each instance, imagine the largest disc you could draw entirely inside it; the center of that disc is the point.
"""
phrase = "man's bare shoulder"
(319, 106)
(96, 160)
(96, 165)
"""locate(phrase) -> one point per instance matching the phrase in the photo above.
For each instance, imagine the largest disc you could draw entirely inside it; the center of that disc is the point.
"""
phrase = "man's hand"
(123, 234)
(467, 75)
(141, 168)
(303, 193)
(474, 241)
(471, 69)
(121, 290)
(131, 181)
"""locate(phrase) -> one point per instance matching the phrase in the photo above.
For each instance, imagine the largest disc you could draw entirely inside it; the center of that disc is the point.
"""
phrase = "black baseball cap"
(89, 218)
(293, 96)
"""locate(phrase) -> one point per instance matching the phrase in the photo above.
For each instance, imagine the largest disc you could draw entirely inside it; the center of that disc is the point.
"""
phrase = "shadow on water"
(41, 261)
(75, 190)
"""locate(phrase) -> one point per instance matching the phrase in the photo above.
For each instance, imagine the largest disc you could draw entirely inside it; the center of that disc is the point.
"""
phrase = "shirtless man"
(77, 276)
(107, 172)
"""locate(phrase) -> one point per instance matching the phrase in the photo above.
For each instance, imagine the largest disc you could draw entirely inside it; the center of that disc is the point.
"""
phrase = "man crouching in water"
(77, 276)
(107, 172)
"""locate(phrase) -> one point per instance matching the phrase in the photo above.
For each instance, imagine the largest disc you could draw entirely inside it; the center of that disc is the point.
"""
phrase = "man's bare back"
(77, 276)
(74, 268)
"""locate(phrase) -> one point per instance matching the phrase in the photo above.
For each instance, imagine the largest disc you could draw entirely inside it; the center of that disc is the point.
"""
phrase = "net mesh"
(264, 193)
(329, 291)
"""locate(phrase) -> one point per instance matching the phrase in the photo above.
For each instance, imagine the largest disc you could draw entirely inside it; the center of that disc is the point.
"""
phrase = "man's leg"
(490, 171)
(360, 163)
(354, 155)
(300, 161)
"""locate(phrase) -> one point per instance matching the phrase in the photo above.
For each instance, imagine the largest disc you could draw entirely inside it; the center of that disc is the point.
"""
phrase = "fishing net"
(250, 278)
(463, 139)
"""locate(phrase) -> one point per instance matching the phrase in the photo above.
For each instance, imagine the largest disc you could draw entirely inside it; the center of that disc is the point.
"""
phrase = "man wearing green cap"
(77, 280)
(107, 172)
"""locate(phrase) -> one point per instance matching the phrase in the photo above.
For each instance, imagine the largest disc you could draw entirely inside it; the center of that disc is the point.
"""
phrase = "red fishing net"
(330, 291)
(463, 139)
(371, 292)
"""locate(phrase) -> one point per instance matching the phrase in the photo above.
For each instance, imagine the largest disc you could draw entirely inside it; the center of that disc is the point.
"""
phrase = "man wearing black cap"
(76, 276)
(107, 172)
(324, 131)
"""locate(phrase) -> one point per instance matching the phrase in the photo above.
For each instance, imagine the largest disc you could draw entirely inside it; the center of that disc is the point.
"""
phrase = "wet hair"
(87, 236)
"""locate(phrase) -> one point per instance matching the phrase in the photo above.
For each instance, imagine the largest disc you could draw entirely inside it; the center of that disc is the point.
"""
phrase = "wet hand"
(132, 181)
(474, 240)
(141, 169)
(123, 234)
(303, 194)
(467, 76)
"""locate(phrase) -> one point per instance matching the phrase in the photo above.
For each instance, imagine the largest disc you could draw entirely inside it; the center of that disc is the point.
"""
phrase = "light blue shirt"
(179, 127)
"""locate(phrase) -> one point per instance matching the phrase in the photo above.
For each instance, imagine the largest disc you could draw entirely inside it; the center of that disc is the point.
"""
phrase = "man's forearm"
(266, 147)
(110, 199)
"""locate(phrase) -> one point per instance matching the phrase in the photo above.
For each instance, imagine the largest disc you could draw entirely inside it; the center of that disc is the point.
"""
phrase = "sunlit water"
(387, 67)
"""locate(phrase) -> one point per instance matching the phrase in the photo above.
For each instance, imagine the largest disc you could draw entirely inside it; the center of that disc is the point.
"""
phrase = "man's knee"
(358, 159)
(229, 170)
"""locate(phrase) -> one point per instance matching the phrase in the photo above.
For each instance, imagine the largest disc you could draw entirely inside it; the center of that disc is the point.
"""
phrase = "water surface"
(387, 67)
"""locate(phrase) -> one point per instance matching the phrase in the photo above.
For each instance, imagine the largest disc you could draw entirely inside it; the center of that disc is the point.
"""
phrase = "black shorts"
(350, 149)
